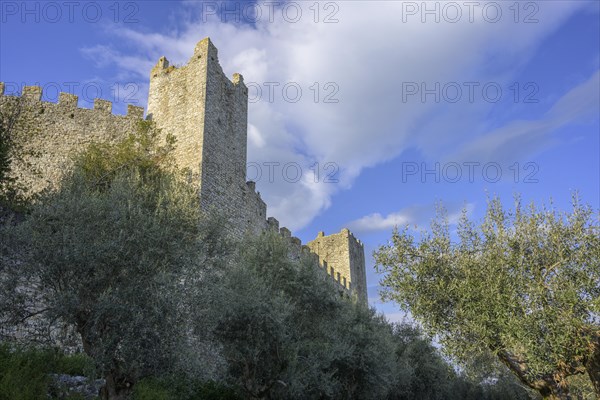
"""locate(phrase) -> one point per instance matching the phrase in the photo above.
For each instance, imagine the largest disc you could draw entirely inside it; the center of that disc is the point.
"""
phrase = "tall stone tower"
(208, 114)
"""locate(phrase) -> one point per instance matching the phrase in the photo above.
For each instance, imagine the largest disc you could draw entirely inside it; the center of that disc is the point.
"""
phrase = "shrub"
(78, 364)
(24, 372)
(178, 388)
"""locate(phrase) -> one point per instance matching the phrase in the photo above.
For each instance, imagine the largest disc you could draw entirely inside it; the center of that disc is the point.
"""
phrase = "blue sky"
(400, 106)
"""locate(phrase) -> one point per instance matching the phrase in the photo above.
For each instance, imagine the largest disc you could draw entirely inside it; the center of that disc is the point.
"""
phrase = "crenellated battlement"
(57, 131)
(68, 101)
(208, 114)
(205, 56)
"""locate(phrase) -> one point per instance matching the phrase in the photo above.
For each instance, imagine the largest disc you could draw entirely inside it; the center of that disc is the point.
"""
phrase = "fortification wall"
(343, 257)
(297, 250)
(51, 133)
(253, 210)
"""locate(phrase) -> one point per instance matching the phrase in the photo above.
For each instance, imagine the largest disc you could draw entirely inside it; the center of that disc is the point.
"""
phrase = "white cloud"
(255, 139)
(418, 216)
(129, 66)
(368, 55)
(376, 222)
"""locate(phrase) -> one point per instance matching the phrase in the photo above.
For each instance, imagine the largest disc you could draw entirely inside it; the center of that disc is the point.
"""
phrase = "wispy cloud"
(129, 66)
(520, 138)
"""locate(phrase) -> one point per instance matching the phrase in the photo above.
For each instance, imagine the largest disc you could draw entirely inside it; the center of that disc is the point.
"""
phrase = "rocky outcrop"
(63, 386)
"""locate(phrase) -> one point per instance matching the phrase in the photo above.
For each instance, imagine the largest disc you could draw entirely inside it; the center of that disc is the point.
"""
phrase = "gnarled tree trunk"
(117, 387)
(550, 386)
(592, 366)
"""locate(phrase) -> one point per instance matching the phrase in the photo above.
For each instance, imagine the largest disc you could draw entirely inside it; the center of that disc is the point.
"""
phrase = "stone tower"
(343, 258)
(208, 114)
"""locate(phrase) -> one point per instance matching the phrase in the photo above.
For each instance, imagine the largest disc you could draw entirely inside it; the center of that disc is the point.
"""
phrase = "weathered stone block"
(32, 93)
(135, 111)
(103, 105)
(67, 100)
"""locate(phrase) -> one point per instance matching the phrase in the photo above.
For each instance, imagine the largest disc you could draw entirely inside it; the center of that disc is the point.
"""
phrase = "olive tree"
(523, 286)
(113, 253)
(267, 314)
(422, 373)
(287, 333)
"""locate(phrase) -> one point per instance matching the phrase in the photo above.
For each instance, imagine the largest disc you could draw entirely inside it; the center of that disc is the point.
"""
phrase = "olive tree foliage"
(422, 373)
(364, 363)
(522, 286)
(113, 253)
(286, 332)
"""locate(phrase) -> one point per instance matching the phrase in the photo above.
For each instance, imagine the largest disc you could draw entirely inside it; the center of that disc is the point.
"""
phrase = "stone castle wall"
(56, 131)
(207, 113)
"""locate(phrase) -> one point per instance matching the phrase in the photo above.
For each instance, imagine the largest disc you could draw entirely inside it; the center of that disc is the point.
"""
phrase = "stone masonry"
(208, 114)
(343, 257)
(57, 130)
